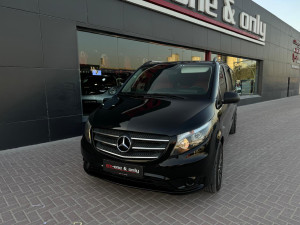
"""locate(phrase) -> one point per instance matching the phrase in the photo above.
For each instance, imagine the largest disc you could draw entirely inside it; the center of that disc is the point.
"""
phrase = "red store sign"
(296, 52)
(295, 42)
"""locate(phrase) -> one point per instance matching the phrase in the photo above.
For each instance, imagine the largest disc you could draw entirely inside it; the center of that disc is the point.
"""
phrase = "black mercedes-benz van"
(165, 128)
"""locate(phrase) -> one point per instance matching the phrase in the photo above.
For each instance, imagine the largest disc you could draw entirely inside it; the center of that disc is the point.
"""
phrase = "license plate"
(123, 169)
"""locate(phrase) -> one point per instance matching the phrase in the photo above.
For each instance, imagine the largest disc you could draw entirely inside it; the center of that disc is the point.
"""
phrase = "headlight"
(87, 132)
(189, 140)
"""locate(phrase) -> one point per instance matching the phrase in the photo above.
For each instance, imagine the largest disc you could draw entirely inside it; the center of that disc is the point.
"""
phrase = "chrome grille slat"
(131, 154)
(127, 157)
(104, 142)
(154, 140)
(106, 134)
(144, 146)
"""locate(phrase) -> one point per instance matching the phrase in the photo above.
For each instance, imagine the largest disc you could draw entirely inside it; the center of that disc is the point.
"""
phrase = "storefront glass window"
(245, 73)
(197, 56)
(131, 54)
(106, 58)
(160, 52)
(97, 50)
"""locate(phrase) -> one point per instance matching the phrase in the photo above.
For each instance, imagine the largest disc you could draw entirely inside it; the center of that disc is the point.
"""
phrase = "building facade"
(49, 46)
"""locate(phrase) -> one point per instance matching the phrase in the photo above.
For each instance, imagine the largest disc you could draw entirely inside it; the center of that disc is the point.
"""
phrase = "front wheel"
(215, 178)
(87, 168)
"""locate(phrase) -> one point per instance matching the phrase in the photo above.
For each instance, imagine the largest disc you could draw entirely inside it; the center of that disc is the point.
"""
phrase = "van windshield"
(170, 79)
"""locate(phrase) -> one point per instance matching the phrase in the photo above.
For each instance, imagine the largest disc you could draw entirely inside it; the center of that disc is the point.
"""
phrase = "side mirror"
(231, 97)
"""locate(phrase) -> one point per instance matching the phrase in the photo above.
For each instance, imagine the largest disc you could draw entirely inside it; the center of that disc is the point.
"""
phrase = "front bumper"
(183, 174)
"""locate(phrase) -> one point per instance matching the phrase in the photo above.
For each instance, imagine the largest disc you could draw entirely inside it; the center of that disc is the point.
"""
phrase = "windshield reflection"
(170, 79)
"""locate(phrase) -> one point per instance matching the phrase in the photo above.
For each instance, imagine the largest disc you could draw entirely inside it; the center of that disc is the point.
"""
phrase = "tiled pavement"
(45, 184)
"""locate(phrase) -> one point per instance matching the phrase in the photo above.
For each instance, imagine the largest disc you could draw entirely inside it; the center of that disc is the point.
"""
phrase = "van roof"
(180, 62)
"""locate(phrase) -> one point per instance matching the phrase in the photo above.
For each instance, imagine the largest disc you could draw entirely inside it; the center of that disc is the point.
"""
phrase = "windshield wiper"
(161, 95)
(134, 94)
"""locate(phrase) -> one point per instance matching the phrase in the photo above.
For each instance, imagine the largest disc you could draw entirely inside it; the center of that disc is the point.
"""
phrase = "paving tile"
(46, 183)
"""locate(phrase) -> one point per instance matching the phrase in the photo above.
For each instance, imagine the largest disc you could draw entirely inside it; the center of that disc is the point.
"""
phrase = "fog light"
(190, 181)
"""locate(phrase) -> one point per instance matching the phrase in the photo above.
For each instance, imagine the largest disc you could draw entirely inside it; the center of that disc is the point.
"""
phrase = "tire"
(87, 168)
(233, 126)
(215, 178)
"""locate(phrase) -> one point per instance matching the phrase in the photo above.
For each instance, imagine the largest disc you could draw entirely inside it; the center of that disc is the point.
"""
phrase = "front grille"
(144, 146)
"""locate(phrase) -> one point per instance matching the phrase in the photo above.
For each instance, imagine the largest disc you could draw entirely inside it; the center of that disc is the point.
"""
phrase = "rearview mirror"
(231, 97)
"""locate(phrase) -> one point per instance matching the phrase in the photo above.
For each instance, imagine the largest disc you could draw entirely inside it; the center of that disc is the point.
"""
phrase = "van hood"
(152, 115)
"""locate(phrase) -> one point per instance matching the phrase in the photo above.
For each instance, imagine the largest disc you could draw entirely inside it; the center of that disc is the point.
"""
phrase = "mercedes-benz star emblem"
(124, 144)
